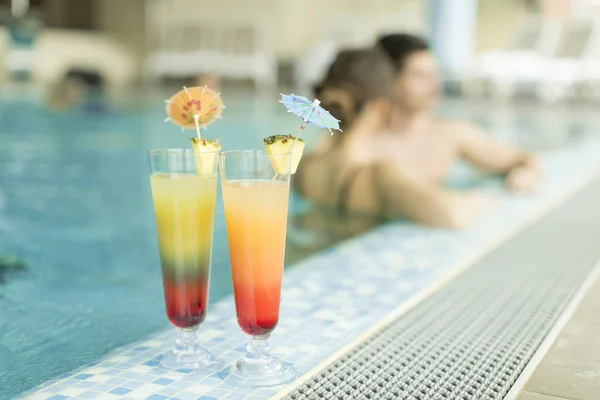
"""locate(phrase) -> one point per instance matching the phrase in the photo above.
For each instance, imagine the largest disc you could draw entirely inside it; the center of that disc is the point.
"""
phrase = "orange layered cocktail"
(256, 188)
(256, 216)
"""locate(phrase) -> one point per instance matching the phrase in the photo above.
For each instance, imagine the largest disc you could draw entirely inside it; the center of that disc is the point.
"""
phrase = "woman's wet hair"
(400, 46)
(354, 78)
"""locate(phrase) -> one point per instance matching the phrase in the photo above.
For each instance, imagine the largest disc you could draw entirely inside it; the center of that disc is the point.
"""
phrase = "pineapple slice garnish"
(205, 162)
(277, 145)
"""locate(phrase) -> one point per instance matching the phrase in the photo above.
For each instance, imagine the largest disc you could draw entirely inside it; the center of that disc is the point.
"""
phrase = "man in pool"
(396, 155)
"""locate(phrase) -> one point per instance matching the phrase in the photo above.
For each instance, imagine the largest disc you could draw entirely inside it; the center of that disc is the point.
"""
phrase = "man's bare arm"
(488, 154)
(521, 169)
(402, 196)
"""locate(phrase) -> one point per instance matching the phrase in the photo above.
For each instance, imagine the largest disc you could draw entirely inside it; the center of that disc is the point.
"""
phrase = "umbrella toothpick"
(167, 119)
(315, 104)
(197, 122)
(297, 136)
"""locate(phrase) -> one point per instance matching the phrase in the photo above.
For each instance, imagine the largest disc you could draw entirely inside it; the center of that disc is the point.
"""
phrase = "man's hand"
(523, 179)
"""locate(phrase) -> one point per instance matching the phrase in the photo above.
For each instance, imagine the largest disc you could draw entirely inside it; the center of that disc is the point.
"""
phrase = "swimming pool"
(75, 204)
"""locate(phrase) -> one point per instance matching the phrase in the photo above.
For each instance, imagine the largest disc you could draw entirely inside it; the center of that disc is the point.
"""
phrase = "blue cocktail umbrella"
(310, 112)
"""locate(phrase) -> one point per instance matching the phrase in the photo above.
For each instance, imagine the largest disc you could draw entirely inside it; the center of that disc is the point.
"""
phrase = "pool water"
(75, 205)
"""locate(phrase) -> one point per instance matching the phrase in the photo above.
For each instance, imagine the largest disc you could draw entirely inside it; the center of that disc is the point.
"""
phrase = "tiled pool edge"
(347, 284)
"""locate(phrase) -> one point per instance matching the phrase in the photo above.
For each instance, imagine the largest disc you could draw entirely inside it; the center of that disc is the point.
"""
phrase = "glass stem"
(187, 341)
(257, 348)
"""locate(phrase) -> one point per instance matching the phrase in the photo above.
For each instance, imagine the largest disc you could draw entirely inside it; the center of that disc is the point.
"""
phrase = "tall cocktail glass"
(184, 192)
(256, 210)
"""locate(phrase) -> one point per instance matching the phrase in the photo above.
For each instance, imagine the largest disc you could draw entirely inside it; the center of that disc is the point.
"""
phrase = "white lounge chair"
(234, 50)
(574, 62)
(534, 37)
(56, 52)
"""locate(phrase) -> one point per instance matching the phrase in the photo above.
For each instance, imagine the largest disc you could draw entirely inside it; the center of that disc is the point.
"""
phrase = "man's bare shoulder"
(456, 129)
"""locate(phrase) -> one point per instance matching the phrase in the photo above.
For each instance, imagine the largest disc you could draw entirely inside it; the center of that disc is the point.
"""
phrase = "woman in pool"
(395, 155)
(355, 79)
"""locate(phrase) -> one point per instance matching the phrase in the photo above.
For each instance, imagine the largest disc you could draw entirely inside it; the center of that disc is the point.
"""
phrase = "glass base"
(263, 373)
(258, 368)
(198, 359)
(187, 354)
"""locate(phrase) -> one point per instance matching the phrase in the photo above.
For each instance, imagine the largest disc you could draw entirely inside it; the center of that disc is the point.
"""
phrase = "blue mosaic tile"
(221, 375)
(163, 381)
(187, 396)
(55, 389)
(104, 387)
(132, 384)
(116, 381)
(128, 375)
(58, 397)
(126, 366)
(211, 381)
(169, 391)
(82, 376)
(181, 385)
(145, 378)
(157, 397)
(86, 384)
(120, 391)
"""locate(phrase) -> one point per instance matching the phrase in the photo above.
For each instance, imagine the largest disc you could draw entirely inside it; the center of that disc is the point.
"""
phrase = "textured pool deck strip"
(329, 299)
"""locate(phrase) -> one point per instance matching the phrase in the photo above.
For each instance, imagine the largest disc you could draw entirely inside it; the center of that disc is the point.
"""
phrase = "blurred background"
(270, 42)
(82, 90)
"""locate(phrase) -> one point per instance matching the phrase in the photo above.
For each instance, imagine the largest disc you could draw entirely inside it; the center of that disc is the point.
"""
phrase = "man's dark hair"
(401, 45)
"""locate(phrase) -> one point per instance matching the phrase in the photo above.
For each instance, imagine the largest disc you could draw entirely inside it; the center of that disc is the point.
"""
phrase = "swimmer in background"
(78, 89)
(395, 155)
